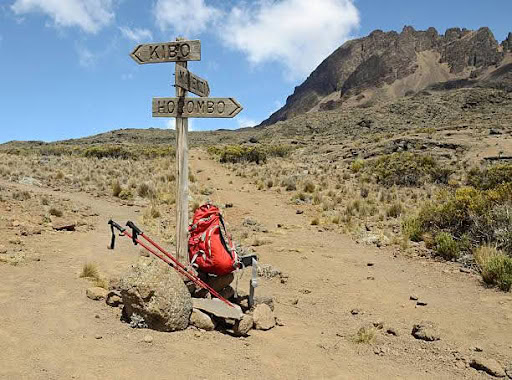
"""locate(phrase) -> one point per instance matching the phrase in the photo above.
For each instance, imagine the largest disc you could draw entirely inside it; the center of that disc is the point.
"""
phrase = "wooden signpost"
(181, 107)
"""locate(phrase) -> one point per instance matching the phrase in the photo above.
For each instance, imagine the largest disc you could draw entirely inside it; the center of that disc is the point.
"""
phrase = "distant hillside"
(386, 66)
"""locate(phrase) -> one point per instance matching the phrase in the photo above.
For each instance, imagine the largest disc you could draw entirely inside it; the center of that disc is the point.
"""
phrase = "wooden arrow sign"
(176, 51)
(196, 107)
(191, 82)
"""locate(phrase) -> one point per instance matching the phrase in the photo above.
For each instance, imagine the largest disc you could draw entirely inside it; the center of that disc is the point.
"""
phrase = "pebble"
(370, 278)
(413, 298)
(299, 212)
(98, 336)
(421, 303)
(392, 331)
(148, 339)
(355, 311)
(370, 264)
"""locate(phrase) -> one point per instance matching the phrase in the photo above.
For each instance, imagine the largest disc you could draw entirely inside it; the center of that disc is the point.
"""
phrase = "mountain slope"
(385, 66)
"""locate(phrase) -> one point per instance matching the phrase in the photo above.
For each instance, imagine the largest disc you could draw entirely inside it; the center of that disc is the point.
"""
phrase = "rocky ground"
(345, 310)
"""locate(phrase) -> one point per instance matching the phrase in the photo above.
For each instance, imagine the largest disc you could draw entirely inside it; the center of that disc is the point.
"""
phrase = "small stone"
(243, 326)
(355, 311)
(370, 278)
(299, 212)
(413, 298)
(201, 320)
(63, 225)
(228, 205)
(465, 270)
(294, 301)
(114, 299)
(421, 303)
(378, 325)
(3, 250)
(489, 366)
(148, 339)
(263, 317)
(478, 349)
(392, 331)
(97, 316)
(279, 322)
(98, 336)
(425, 331)
(370, 264)
(96, 293)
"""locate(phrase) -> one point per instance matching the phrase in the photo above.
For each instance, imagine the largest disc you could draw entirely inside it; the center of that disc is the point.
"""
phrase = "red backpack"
(210, 248)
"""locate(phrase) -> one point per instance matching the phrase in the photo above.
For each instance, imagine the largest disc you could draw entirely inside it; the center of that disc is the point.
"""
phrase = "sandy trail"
(48, 326)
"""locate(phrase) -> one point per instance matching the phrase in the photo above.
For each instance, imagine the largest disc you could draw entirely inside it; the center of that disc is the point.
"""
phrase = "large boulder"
(154, 293)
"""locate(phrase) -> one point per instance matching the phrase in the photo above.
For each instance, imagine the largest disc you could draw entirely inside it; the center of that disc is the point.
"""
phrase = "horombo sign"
(181, 107)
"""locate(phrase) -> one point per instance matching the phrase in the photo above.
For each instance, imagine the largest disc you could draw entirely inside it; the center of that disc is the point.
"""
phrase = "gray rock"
(508, 371)
(63, 225)
(263, 317)
(425, 331)
(96, 293)
(243, 301)
(243, 326)
(114, 299)
(489, 366)
(156, 293)
(218, 308)
(201, 320)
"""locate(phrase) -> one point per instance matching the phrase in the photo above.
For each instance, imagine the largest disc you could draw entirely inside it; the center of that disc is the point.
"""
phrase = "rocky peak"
(382, 58)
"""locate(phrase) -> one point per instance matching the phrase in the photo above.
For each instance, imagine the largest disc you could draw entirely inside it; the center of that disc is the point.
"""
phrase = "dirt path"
(48, 327)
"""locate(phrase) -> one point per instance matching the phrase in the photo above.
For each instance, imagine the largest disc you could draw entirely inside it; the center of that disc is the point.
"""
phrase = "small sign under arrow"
(191, 82)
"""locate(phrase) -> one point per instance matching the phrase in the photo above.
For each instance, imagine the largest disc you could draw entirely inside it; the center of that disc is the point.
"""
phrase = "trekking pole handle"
(116, 226)
(136, 229)
(113, 225)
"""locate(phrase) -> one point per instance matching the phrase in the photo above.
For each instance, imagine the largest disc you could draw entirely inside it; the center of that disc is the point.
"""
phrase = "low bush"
(248, 153)
(408, 169)
(446, 246)
(495, 267)
(490, 178)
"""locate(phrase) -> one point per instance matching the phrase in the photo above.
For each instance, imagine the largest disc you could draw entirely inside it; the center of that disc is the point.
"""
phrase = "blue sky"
(65, 71)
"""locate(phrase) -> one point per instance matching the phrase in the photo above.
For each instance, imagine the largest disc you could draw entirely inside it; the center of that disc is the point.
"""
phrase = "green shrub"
(108, 151)
(408, 169)
(357, 165)
(495, 267)
(411, 228)
(446, 246)
(490, 178)
(484, 216)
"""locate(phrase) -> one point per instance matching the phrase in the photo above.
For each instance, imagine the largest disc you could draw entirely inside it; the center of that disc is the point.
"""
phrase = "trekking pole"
(173, 263)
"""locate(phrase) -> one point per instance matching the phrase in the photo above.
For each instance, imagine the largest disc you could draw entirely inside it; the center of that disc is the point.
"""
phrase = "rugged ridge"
(411, 60)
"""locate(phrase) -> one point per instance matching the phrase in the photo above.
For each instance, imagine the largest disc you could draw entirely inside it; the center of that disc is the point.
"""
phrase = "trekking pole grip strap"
(119, 228)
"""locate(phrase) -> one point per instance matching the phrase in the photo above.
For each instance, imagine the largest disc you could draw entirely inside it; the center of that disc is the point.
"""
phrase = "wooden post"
(182, 179)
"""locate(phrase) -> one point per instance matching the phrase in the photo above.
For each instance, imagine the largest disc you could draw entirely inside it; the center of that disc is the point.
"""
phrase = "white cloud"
(185, 18)
(244, 122)
(136, 34)
(89, 15)
(86, 58)
(297, 33)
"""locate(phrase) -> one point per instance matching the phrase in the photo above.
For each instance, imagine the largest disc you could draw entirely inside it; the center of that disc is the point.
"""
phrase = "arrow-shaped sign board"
(196, 107)
(176, 51)
(191, 82)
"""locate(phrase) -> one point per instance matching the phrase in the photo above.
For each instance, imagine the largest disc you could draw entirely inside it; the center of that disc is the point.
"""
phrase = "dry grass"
(366, 335)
